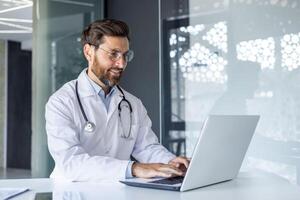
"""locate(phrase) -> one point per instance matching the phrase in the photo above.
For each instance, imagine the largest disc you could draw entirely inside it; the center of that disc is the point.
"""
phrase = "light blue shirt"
(106, 100)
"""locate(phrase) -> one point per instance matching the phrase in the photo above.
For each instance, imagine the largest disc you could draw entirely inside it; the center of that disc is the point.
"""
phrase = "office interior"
(193, 58)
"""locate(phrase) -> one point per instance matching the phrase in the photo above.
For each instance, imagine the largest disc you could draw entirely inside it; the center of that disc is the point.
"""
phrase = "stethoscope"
(90, 127)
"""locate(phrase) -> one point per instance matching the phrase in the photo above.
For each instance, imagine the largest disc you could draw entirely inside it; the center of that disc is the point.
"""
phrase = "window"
(234, 57)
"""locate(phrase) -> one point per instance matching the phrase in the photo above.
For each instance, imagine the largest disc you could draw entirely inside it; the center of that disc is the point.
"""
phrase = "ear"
(88, 51)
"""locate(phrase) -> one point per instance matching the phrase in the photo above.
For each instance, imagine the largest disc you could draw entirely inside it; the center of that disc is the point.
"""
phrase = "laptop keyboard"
(169, 181)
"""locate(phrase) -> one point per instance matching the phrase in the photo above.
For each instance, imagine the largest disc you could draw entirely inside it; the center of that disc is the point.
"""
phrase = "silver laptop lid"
(220, 150)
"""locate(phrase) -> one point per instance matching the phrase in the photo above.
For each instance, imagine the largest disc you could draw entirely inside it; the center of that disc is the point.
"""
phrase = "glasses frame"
(127, 56)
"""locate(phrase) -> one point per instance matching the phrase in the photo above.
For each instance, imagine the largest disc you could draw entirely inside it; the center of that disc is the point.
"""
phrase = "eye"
(115, 54)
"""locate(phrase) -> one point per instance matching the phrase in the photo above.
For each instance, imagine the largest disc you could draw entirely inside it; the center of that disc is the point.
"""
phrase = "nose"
(121, 63)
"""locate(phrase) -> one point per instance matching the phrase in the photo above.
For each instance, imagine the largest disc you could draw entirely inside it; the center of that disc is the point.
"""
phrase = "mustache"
(116, 69)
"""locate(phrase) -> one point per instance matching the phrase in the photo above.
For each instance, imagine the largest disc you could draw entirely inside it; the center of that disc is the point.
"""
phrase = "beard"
(110, 77)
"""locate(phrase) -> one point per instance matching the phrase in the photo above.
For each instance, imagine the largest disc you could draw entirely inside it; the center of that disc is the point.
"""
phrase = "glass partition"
(234, 57)
(57, 59)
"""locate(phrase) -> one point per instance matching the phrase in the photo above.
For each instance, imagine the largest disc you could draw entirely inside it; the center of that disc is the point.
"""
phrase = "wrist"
(133, 169)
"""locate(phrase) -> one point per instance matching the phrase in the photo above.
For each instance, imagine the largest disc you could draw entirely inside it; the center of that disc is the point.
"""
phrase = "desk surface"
(248, 185)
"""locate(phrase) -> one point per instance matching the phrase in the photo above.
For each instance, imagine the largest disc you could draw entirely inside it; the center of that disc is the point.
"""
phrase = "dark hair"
(93, 33)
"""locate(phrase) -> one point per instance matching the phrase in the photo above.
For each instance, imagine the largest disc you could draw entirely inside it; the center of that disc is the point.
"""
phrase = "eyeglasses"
(117, 55)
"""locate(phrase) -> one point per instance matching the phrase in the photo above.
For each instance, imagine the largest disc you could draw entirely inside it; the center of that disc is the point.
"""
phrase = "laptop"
(217, 156)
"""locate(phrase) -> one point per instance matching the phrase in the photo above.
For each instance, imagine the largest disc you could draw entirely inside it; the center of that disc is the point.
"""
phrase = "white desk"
(254, 186)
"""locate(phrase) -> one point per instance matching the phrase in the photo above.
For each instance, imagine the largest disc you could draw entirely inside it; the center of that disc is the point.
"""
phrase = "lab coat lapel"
(113, 107)
(85, 89)
(88, 96)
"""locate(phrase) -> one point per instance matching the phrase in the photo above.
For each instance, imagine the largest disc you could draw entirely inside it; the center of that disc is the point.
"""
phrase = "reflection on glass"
(199, 64)
(287, 171)
(236, 57)
(197, 58)
(290, 44)
(263, 94)
(261, 51)
(217, 36)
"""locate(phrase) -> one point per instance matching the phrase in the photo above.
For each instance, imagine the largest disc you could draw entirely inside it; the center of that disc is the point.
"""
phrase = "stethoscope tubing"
(80, 105)
(90, 126)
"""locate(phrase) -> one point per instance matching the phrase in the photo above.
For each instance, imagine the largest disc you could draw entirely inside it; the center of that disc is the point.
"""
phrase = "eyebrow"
(118, 50)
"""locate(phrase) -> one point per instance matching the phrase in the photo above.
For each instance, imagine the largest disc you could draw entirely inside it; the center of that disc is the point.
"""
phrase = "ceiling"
(16, 21)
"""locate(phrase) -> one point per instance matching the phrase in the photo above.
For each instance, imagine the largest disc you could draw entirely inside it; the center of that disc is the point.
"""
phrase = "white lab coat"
(82, 156)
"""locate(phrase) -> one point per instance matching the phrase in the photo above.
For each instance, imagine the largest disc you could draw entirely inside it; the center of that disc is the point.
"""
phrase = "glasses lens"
(129, 56)
(115, 55)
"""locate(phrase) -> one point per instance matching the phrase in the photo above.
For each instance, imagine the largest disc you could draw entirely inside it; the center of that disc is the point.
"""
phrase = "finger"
(171, 170)
(177, 167)
(175, 164)
(182, 160)
(183, 168)
(163, 174)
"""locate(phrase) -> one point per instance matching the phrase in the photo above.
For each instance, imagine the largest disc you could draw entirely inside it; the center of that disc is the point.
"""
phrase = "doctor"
(94, 126)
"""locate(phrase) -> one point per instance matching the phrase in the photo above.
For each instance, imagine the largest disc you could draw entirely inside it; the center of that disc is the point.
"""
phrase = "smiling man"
(94, 126)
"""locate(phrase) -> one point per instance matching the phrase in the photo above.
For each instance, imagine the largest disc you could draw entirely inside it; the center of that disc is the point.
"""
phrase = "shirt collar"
(98, 89)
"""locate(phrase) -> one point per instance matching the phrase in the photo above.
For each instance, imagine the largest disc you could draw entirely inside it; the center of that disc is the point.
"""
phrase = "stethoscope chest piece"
(89, 127)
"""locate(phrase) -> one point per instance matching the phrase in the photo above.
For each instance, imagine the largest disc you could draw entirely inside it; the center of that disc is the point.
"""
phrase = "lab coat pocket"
(131, 136)
(134, 132)
(126, 144)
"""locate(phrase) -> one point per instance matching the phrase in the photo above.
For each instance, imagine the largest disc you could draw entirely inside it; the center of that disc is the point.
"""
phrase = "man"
(94, 126)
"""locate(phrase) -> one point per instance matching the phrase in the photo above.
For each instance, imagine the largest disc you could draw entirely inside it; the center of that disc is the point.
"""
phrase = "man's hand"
(181, 163)
(143, 170)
